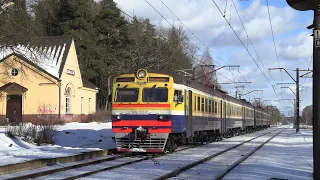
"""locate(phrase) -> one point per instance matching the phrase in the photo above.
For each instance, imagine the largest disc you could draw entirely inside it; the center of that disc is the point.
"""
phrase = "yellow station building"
(41, 80)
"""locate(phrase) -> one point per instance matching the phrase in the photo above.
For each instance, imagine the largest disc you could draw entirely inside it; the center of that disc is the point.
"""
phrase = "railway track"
(111, 162)
(90, 167)
(210, 157)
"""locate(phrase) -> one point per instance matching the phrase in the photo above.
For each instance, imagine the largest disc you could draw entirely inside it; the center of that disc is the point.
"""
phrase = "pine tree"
(16, 22)
(113, 42)
(145, 47)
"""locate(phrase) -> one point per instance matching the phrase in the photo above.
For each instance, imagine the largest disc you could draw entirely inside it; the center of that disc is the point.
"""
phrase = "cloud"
(205, 21)
(295, 48)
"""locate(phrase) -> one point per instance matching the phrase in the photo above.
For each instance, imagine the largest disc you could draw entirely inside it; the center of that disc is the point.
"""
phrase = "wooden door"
(14, 108)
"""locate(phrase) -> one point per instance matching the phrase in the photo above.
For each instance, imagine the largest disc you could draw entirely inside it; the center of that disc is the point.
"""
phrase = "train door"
(223, 116)
(244, 123)
(254, 117)
(188, 112)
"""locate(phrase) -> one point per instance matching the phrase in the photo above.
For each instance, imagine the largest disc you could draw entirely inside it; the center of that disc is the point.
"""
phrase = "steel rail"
(201, 161)
(124, 164)
(237, 163)
(129, 154)
(65, 168)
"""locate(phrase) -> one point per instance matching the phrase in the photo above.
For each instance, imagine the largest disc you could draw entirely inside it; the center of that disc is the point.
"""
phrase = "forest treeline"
(107, 41)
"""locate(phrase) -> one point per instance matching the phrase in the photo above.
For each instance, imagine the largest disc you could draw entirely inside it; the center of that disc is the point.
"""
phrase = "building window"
(81, 105)
(68, 95)
(89, 105)
(14, 72)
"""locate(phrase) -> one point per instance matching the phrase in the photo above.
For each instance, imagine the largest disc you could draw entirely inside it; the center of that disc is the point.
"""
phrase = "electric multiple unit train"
(157, 112)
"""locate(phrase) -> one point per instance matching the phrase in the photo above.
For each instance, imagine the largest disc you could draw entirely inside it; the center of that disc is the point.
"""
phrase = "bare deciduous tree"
(205, 69)
(307, 115)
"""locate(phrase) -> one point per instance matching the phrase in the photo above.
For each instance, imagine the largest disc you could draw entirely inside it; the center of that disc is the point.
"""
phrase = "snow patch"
(71, 139)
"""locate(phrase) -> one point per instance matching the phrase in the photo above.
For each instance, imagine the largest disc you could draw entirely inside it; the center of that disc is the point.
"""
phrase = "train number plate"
(138, 112)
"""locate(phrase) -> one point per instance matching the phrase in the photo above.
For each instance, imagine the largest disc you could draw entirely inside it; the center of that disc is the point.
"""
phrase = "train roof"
(188, 81)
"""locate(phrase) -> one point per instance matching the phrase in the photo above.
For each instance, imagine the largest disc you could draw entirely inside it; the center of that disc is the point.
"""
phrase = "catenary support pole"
(295, 120)
(297, 102)
(316, 95)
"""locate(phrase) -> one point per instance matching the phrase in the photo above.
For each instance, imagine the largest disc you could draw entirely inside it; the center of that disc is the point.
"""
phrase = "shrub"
(42, 133)
(3, 122)
(101, 116)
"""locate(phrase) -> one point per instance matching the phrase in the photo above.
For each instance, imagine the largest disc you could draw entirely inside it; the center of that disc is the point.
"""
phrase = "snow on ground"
(71, 139)
(287, 156)
(86, 135)
(150, 170)
(214, 167)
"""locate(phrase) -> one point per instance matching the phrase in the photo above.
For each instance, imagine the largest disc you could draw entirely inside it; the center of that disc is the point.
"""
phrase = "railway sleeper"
(178, 139)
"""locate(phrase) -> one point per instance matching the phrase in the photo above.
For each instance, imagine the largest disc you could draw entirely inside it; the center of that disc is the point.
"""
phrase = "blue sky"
(292, 39)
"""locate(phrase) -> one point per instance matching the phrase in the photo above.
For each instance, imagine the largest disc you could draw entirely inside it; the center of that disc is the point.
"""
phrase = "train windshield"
(155, 95)
(127, 95)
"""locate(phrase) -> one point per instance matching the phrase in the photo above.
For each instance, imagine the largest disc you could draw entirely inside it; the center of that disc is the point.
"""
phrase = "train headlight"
(141, 73)
(162, 117)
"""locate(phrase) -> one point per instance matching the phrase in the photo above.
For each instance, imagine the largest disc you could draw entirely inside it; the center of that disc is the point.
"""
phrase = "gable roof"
(29, 62)
(49, 52)
(88, 84)
(10, 84)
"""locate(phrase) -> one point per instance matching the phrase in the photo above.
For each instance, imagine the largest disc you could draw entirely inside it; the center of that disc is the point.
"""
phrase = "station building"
(40, 79)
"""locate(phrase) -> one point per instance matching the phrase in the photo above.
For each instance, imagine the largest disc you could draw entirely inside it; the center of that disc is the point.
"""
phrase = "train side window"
(216, 107)
(177, 96)
(205, 105)
(232, 107)
(194, 103)
(198, 104)
(237, 111)
(202, 104)
(213, 101)
(231, 110)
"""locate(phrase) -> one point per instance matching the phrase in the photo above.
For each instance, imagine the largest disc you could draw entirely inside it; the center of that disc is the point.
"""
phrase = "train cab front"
(141, 112)
(140, 135)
